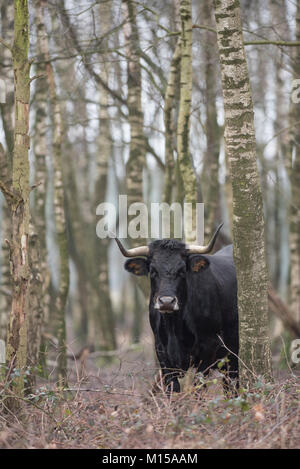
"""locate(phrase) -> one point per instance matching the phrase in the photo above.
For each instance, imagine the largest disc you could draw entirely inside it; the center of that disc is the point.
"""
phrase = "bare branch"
(5, 44)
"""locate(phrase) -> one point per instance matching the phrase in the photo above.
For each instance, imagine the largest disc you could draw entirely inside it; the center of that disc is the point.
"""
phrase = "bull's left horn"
(138, 251)
(194, 249)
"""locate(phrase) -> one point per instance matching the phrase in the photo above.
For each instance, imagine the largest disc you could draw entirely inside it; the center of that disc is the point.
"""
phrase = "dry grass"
(111, 407)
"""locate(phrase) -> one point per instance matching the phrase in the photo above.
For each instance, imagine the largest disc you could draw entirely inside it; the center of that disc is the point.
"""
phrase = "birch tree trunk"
(40, 275)
(170, 100)
(211, 189)
(248, 221)
(59, 209)
(137, 152)
(294, 165)
(5, 298)
(6, 156)
(19, 203)
(103, 315)
(6, 108)
(183, 127)
(136, 162)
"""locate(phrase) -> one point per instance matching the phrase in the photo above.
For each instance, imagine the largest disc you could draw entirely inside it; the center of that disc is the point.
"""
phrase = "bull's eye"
(181, 272)
(153, 272)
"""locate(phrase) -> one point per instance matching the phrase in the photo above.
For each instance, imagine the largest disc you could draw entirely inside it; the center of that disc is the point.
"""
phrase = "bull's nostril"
(166, 300)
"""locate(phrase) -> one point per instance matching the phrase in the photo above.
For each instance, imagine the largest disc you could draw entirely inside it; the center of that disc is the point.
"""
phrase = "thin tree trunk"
(6, 156)
(170, 99)
(248, 221)
(40, 278)
(294, 164)
(5, 300)
(136, 161)
(137, 152)
(183, 127)
(36, 307)
(103, 315)
(19, 203)
(59, 210)
(6, 108)
(211, 189)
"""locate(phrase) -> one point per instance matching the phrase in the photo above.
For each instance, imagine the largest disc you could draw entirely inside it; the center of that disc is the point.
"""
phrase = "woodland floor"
(111, 407)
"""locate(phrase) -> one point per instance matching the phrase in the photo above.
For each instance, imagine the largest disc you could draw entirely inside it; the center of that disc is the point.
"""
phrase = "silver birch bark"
(183, 127)
(294, 165)
(210, 178)
(136, 161)
(103, 314)
(248, 221)
(59, 210)
(6, 108)
(170, 131)
(137, 152)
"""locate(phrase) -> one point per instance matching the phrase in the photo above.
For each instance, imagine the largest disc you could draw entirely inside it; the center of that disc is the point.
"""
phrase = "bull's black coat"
(205, 290)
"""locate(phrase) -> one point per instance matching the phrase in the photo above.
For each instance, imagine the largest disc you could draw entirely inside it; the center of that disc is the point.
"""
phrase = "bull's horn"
(139, 251)
(194, 249)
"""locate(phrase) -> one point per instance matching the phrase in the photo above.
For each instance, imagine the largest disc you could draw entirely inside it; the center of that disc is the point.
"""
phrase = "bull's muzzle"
(166, 304)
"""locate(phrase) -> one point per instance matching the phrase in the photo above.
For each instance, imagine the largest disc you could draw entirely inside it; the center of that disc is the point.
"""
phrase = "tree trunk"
(183, 127)
(5, 299)
(137, 152)
(136, 161)
(103, 315)
(6, 156)
(295, 185)
(169, 109)
(248, 221)
(19, 203)
(6, 108)
(211, 189)
(59, 211)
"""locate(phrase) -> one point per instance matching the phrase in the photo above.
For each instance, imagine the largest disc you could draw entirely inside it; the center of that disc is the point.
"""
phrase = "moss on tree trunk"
(248, 221)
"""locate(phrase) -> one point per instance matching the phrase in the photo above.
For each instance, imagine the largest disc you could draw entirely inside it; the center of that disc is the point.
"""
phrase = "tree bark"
(19, 204)
(5, 300)
(59, 209)
(248, 221)
(170, 101)
(211, 189)
(183, 127)
(136, 161)
(294, 166)
(103, 314)
(137, 151)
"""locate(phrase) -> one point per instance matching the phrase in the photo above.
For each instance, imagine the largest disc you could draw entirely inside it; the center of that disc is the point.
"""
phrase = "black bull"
(193, 308)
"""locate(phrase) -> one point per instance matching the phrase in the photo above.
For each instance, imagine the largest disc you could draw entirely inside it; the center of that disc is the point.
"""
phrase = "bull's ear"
(198, 262)
(137, 266)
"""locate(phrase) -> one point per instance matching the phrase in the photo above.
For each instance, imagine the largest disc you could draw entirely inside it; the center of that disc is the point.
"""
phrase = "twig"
(41, 75)
(5, 44)
(6, 192)
(273, 43)
(36, 185)
(225, 346)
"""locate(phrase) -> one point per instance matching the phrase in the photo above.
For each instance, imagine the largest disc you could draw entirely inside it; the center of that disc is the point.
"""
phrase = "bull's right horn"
(194, 249)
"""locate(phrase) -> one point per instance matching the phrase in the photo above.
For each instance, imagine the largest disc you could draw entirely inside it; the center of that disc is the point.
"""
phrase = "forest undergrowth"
(113, 407)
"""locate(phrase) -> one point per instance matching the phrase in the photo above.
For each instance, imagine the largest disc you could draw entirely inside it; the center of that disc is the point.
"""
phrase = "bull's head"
(168, 262)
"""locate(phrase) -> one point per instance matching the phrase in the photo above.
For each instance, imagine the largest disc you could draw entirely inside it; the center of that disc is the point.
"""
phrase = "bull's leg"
(169, 374)
(167, 381)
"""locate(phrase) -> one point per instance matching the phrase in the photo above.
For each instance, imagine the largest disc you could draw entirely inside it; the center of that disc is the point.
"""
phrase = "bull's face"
(169, 270)
(169, 263)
